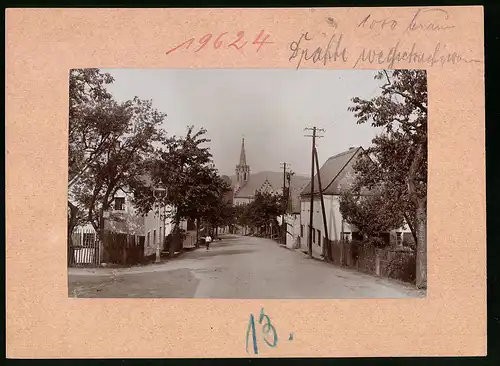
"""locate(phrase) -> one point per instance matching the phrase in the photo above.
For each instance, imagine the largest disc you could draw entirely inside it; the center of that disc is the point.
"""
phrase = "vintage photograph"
(247, 183)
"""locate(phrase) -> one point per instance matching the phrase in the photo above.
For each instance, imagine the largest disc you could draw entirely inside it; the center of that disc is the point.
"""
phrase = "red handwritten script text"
(224, 39)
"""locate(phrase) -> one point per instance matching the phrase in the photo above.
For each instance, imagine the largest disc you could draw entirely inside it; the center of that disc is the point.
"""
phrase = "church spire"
(243, 156)
(242, 169)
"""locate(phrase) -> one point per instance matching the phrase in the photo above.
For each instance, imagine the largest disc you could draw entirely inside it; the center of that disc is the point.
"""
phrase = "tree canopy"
(261, 212)
(195, 189)
(109, 143)
(395, 165)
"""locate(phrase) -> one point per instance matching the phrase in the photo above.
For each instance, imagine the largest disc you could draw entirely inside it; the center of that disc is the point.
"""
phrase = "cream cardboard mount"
(42, 45)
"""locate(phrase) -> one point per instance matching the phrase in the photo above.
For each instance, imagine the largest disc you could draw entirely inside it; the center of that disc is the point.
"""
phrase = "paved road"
(236, 267)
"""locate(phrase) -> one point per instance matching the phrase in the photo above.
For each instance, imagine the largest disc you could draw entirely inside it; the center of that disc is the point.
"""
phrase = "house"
(292, 218)
(158, 224)
(337, 174)
(120, 218)
(245, 184)
(123, 218)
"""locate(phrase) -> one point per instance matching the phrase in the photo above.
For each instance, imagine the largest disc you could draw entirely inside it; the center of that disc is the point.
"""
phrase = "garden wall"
(392, 262)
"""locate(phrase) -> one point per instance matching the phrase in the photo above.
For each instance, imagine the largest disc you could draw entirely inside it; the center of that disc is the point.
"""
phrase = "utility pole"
(326, 242)
(285, 201)
(311, 207)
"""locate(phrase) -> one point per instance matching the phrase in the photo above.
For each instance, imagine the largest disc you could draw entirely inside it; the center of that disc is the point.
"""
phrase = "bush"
(409, 244)
(376, 242)
(403, 267)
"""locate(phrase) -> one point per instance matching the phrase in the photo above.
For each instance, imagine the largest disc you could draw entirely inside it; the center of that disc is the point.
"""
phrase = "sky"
(268, 107)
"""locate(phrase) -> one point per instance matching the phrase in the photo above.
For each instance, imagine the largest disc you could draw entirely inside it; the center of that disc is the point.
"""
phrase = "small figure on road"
(208, 239)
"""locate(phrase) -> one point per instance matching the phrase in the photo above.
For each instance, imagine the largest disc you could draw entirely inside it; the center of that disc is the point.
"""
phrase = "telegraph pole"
(311, 207)
(326, 242)
(285, 202)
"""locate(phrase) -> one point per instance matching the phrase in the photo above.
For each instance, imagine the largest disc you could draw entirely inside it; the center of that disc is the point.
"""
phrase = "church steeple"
(242, 169)
(243, 156)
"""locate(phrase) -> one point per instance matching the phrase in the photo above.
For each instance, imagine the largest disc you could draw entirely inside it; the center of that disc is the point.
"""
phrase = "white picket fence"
(84, 249)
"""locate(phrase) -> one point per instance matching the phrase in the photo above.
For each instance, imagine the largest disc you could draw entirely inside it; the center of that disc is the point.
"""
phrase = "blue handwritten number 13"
(266, 328)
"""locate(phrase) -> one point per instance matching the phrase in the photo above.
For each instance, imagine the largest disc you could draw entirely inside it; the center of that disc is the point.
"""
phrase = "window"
(154, 238)
(147, 240)
(399, 239)
(301, 231)
(319, 237)
(313, 235)
(120, 203)
(346, 236)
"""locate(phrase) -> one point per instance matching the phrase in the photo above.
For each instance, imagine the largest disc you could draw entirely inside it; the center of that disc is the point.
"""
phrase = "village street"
(235, 267)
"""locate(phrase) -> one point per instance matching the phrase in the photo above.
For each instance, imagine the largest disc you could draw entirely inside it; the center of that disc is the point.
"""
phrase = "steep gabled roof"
(335, 173)
(259, 180)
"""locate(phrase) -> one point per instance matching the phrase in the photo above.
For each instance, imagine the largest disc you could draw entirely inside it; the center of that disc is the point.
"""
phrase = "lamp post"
(159, 193)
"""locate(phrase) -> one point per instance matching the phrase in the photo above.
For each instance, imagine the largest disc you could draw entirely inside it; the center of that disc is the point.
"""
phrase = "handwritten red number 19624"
(238, 43)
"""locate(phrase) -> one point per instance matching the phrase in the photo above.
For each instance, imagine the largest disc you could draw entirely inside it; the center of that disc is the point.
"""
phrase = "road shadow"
(179, 283)
(203, 253)
(227, 238)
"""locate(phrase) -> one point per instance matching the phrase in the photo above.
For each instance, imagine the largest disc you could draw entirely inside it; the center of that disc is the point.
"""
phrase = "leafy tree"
(89, 131)
(262, 211)
(396, 163)
(183, 165)
(382, 169)
(220, 214)
(369, 213)
(241, 215)
(137, 126)
(195, 189)
(90, 127)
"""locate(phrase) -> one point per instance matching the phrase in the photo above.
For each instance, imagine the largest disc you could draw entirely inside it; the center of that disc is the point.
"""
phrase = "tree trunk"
(197, 232)
(421, 228)
(72, 223)
(73, 210)
(176, 237)
(420, 219)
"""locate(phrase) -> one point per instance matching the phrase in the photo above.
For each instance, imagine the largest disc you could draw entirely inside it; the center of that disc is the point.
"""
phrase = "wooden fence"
(398, 263)
(84, 249)
(123, 249)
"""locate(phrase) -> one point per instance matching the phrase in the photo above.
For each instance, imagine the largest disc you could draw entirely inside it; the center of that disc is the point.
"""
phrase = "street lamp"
(159, 193)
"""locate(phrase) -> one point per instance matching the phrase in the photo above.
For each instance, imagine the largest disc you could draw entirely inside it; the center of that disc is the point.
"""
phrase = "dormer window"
(119, 203)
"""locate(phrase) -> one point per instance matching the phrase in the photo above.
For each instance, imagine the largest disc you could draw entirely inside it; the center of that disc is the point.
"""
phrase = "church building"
(246, 184)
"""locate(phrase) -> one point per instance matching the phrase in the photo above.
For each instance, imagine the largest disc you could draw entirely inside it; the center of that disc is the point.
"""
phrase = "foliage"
(286, 202)
(184, 165)
(87, 137)
(383, 168)
(221, 213)
(395, 165)
(90, 125)
(242, 215)
(370, 214)
(261, 212)
(109, 142)
(402, 267)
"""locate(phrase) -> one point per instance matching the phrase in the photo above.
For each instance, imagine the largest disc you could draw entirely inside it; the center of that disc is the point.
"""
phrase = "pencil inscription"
(303, 50)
